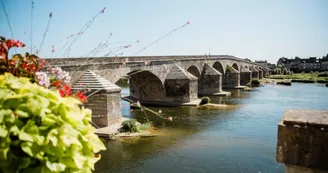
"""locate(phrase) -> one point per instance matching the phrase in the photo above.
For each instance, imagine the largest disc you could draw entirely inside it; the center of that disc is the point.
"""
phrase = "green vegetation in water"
(129, 126)
(303, 77)
(284, 83)
(205, 100)
(133, 126)
(255, 82)
(41, 131)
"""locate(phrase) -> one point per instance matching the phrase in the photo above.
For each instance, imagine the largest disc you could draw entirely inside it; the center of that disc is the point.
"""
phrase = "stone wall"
(105, 107)
(113, 69)
(179, 87)
(255, 74)
(260, 74)
(177, 90)
(245, 78)
(303, 141)
(230, 80)
(146, 86)
(210, 81)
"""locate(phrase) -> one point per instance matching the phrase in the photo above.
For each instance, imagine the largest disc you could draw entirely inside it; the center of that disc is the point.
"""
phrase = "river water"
(239, 139)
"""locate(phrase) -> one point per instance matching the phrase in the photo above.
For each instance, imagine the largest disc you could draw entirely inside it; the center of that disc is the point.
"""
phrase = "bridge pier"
(105, 102)
(260, 74)
(245, 76)
(180, 88)
(303, 141)
(231, 79)
(210, 82)
(255, 73)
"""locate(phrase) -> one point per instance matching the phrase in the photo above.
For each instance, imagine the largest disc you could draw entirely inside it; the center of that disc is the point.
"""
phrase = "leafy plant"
(255, 82)
(40, 131)
(32, 66)
(129, 126)
(205, 100)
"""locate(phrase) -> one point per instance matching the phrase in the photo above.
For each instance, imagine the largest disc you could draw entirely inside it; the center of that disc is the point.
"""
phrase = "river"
(241, 139)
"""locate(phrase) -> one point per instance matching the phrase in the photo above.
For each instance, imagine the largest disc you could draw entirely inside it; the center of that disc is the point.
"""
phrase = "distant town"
(298, 65)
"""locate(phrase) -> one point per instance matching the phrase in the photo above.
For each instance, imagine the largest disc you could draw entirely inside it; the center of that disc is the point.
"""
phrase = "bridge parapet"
(105, 60)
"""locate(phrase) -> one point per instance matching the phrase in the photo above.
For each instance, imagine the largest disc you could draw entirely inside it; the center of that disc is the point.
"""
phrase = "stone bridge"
(169, 80)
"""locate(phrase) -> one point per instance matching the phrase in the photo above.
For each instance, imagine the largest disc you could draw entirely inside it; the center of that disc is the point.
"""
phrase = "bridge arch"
(146, 86)
(219, 67)
(194, 71)
(235, 66)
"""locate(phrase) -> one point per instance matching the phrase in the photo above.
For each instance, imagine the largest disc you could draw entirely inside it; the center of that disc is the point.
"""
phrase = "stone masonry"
(104, 100)
(210, 81)
(245, 76)
(179, 87)
(231, 79)
(303, 141)
(255, 73)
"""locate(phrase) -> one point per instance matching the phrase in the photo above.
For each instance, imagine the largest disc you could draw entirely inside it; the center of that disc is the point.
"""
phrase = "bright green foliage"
(40, 131)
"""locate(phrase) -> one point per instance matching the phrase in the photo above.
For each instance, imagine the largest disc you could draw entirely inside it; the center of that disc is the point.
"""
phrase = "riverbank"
(303, 77)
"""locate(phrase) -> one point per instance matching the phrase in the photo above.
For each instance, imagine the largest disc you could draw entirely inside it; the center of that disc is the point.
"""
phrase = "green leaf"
(25, 137)
(22, 114)
(55, 167)
(52, 137)
(79, 160)
(3, 131)
(26, 147)
(42, 132)
(24, 162)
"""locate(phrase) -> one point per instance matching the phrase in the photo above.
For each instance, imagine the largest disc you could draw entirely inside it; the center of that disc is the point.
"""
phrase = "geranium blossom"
(43, 79)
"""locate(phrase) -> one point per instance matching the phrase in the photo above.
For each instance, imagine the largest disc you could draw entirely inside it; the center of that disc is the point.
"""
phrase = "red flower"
(68, 90)
(81, 97)
(57, 83)
(10, 43)
(19, 44)
(24, 66)
(62, 93)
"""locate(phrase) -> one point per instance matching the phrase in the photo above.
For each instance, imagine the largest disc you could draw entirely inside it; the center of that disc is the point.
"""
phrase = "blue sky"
(254, 29)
